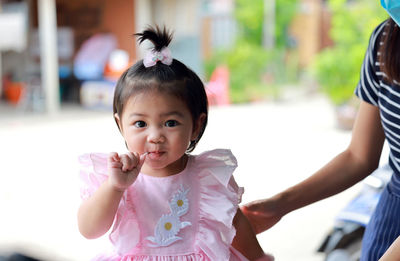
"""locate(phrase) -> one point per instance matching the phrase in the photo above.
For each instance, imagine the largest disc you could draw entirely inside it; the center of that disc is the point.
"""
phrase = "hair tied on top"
(152, 57)
(160, 38)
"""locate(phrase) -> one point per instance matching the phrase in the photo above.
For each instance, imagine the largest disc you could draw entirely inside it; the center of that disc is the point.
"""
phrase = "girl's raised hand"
(124, 169)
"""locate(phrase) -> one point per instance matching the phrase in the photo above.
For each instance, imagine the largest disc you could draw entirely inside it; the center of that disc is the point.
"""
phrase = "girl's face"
(162, 126)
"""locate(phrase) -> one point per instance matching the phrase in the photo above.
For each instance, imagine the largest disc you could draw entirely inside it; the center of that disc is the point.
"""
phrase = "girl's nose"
(155, 136)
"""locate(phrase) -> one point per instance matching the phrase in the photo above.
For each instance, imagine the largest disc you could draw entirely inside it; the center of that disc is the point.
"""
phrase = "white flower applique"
(168, 226)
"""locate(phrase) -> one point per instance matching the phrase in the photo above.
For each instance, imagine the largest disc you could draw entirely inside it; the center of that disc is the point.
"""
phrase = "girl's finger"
(142, 158)
(126, 162)
(134, 158)
(113, 157)
(115, 164)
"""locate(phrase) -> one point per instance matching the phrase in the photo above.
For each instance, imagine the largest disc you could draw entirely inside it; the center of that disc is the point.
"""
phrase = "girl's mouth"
(155, 154)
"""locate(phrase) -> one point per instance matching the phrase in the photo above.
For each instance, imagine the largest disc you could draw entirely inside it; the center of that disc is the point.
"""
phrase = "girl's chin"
(161, 168)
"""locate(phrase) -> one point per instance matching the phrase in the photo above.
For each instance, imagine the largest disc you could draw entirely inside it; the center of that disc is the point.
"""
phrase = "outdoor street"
(277, 144)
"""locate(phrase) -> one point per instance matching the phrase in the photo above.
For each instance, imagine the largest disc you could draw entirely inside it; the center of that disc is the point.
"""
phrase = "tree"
(337, 69)
(248, 62)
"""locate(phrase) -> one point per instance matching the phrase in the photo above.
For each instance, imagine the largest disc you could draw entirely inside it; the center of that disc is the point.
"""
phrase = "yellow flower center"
(180, 203)
(168, 226)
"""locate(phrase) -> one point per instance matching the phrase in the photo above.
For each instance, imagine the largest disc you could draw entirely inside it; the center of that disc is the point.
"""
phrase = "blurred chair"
(217, 88)
(93, 55)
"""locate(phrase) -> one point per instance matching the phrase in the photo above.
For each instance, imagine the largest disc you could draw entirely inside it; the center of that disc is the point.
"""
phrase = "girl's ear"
(118, 120)
(198, 125)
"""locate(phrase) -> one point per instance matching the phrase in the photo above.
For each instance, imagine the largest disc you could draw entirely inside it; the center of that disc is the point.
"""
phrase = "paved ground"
(277, 144)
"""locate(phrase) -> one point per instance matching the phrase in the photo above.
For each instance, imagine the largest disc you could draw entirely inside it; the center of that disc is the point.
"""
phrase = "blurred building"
(310, 28)
(42, 41)
(76, 22)
(219, 27)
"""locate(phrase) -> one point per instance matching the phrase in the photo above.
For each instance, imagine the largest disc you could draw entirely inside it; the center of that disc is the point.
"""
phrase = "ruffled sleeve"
(124, 234)
(93, 172)
(219, 200)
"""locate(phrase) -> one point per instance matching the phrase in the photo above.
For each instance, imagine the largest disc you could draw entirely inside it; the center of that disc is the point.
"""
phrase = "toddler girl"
(162, 202)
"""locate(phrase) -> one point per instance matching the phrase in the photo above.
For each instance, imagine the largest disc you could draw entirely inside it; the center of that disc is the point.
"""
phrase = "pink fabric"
(152, 57)
(210, 198)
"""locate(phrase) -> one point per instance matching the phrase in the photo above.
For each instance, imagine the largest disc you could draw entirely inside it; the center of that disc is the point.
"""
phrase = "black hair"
(175, 79)
(389, 58)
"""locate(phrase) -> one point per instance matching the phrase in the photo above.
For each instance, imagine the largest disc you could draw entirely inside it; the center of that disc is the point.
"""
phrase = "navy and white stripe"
(383, 228)
(374, 88)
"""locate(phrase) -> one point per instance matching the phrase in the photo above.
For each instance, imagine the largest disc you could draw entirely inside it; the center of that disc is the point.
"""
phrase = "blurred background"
(55, 53)
(289, 67)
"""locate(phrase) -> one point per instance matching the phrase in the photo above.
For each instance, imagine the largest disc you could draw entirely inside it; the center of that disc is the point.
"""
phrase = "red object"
(14, 92)
(111, 74)
(217, 88)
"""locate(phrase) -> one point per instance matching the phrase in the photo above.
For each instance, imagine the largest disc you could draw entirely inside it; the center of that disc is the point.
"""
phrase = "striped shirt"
(375, 89)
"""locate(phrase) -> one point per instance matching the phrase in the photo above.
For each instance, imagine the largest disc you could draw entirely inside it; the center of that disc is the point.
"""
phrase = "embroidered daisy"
(179, 204)
(168, 226)
(166, 230)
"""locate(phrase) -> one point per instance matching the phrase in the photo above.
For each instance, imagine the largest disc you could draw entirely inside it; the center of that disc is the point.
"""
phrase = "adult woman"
(378, 120)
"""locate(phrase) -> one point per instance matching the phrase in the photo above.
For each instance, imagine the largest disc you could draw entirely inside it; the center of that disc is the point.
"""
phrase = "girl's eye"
(139, 124)
(171, 123)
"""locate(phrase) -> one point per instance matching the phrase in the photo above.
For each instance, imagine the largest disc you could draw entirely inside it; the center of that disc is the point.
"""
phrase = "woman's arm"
(245, 240)
(393, 252)
(349, 167)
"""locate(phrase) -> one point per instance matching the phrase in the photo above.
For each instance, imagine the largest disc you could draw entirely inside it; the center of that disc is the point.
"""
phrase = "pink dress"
(187, 216)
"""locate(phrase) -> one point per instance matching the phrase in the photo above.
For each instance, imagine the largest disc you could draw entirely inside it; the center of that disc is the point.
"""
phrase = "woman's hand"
(124, 169)
(262, 214)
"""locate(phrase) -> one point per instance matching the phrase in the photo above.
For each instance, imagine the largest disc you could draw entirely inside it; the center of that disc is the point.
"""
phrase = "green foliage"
(254, 71)
(337, 69)
(285, 11)
(249, 14)
(246, 62)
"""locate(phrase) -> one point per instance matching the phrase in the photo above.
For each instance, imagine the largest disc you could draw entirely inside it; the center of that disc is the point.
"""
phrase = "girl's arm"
(349, 167)
(245, 240)
(96, 214)
(393, 252)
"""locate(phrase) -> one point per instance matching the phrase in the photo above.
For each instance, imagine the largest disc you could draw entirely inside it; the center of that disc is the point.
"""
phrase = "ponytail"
(389, 51)
(159, 37)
